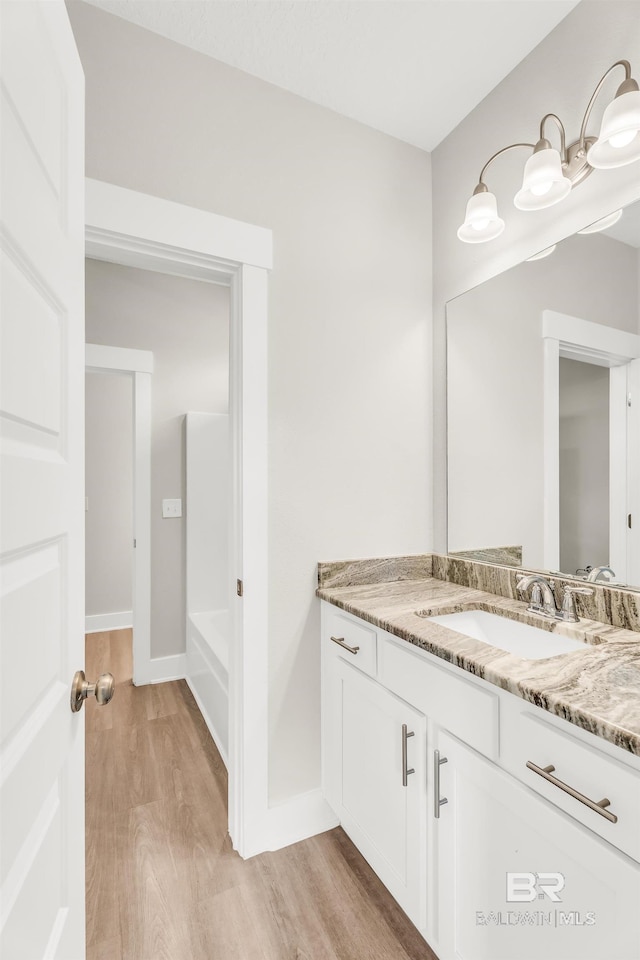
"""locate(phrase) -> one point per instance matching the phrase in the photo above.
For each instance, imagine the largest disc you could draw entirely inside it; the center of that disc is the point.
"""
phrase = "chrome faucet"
(543, 600)
(568, 612)
(596, 573)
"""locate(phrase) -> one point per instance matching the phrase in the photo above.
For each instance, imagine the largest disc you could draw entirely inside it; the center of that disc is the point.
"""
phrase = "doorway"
(133, 229)
(613, 357)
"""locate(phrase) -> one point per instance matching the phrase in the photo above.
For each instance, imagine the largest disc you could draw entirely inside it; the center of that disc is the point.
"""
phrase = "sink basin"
(521, 639)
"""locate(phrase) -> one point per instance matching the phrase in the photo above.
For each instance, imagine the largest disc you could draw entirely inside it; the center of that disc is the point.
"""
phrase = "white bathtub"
(208, 635)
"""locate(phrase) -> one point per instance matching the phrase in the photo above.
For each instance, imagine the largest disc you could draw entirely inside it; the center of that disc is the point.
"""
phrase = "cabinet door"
(384, 816)
(519, 878)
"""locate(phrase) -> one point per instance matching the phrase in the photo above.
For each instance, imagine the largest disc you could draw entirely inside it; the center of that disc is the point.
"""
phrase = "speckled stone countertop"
(597, 688)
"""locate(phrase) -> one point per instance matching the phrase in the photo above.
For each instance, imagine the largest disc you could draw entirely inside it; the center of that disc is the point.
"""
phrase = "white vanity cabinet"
(374, 750)
(517, 878)
(510, 865)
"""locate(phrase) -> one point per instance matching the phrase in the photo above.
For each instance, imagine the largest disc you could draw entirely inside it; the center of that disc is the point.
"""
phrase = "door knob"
(102, 689)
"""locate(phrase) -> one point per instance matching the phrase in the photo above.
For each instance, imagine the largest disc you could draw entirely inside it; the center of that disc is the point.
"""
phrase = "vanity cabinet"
(376, 781)
(518, 878)
(508, 864)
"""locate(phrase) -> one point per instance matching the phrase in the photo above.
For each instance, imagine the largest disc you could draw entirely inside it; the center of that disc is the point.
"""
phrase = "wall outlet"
(171, 508)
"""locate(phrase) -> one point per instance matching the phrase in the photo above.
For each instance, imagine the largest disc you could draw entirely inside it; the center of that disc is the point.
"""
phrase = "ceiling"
(410, 68)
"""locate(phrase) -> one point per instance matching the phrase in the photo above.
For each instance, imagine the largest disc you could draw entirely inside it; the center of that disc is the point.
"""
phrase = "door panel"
(42, 518)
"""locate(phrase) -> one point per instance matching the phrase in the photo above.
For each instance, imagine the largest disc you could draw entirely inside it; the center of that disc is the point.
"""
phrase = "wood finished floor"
(163, 882)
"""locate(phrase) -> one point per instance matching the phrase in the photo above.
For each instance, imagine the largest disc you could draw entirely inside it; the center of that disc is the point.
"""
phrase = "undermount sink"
(521, 639)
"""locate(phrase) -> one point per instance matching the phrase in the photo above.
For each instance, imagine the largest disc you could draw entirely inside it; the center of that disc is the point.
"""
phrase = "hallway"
(163, 882)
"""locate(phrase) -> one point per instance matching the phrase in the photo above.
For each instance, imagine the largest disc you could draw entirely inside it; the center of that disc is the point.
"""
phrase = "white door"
(41, 424)
(519, 878)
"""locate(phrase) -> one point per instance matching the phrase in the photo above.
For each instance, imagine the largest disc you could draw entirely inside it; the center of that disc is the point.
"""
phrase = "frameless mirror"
(543, 409)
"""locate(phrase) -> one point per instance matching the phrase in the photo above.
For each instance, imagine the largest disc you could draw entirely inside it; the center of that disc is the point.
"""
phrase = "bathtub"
(208, 636)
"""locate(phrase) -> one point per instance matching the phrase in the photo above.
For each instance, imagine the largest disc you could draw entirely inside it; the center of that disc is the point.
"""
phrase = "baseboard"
(161, 670)
(207, 719)
(298, 819)
(100, 622)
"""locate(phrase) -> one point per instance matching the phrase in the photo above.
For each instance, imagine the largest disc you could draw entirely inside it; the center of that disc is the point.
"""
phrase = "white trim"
(99, 622)
(138, 365)
(576, 339)
(139, 230)
(298, 818)
(596, 343)
(551, 457)
(633, 473)
(141, 526)
(618, 493)
(117, 218)
(248, 700)
(118, 359)
(162, 669)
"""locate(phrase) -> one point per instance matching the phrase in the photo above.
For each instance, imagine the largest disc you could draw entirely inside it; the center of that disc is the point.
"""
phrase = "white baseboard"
(161, 670)
(298, 819)
(99, 622)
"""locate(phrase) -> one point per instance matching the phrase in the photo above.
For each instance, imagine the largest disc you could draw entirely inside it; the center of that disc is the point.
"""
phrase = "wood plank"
(163, 881)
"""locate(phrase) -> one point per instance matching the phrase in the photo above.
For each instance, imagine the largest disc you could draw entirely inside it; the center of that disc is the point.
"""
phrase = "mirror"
(543, 409)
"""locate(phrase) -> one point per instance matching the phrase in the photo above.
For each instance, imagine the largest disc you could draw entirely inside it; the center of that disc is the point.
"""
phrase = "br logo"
(527, 887)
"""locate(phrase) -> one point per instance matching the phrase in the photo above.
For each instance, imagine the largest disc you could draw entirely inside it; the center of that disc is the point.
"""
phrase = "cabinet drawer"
(581, 767)
(457, 704)
(341, 631)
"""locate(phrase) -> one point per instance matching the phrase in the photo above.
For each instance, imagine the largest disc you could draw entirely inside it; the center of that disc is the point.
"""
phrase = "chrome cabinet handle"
(341, 643)
(597, 806)
(438, 801)
(405, 736)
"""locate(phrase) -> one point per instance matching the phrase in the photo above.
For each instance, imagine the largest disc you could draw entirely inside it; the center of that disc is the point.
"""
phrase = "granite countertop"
(596, 688)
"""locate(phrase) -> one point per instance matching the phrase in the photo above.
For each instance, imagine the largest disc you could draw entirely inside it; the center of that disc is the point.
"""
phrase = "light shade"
(543, 253)
(543, 183)
(603, 224)
(481, 222)
(619, 140)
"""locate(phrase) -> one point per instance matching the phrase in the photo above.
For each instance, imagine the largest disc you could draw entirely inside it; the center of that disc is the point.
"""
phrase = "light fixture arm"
(587, 113)
(497, 154)
(560, 126)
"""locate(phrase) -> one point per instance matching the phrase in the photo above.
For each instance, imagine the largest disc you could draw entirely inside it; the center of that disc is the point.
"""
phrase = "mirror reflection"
(543, 409)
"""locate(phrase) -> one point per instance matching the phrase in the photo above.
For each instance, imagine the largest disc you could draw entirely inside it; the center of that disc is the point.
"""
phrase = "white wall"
(584, 465)
(185, 323)
(559, 75)
(349, 326)
(108, 487)
(495, 363)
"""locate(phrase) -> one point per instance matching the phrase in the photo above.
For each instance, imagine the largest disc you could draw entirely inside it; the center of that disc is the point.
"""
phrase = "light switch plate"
(171, 509)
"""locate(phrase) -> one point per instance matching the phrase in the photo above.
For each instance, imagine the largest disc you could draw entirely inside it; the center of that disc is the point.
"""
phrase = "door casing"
(138, 230)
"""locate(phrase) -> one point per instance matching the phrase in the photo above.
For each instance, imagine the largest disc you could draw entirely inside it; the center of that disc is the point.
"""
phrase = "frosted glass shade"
(481, 222)
(543, 183)
(603, 224)
(619, 140)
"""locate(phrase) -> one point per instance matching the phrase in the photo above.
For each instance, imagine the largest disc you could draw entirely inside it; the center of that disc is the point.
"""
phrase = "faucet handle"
(568, 611)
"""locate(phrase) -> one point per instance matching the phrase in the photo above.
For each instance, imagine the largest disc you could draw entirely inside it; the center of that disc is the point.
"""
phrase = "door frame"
(577, 339)
(138, 230)
(137, 366)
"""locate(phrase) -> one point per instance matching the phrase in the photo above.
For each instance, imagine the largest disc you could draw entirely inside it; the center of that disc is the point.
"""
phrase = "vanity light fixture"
(550, 174)
(543, 253)
(603, 224)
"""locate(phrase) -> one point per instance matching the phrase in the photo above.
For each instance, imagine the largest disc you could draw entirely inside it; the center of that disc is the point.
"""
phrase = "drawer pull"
(341, 643)
(597, 807)
(405, 736)
(438, 801)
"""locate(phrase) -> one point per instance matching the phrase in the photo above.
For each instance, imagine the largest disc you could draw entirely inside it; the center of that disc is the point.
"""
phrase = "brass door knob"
(103, 689)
